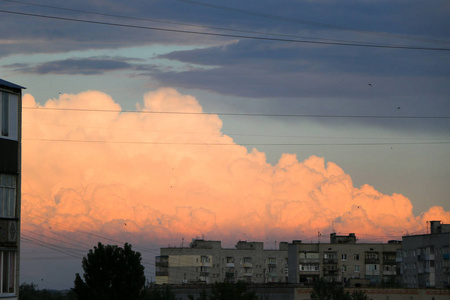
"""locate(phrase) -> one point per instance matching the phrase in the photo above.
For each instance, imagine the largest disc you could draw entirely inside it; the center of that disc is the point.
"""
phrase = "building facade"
(207, 262)
(10, 187)
(425, 260)
(343, 260)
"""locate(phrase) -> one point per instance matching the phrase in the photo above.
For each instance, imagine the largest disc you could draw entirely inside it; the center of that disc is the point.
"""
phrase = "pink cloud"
(164, 175)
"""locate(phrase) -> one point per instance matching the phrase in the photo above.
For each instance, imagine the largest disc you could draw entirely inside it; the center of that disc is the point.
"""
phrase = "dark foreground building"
(10, 180)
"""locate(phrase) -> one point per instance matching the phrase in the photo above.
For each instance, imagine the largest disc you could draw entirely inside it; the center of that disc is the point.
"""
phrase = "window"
(344, 256)
(356, 268)
(4, 116)
(309, 268)
(309, 255)
(356, 256)
(7, 195)
(7, 271)
(372, 267)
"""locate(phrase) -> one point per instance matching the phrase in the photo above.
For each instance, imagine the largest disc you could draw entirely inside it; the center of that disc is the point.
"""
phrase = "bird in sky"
(369, 84)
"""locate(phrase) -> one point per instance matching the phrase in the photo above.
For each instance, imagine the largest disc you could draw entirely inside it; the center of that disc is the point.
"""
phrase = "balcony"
(162, 261)
(248, 265)
(273, 274)
(272, 261)
(247, 272)
(329, 261)
(162, 273)
(162, 264)
(8, 230)
(205, 261)
(389, 273)
(372, 261)
(330, 272)
(230, 265)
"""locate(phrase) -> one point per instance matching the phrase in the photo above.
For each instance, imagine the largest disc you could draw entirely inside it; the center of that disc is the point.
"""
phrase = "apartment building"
(207, 262)
(343, 260)
(425, 260)
(10, 180)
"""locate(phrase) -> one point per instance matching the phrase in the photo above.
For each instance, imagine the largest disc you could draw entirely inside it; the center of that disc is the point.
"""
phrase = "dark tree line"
(30, 291)
(326, 290)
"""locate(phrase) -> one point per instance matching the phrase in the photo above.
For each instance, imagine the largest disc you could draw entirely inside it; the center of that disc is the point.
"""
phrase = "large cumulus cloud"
(168, 171)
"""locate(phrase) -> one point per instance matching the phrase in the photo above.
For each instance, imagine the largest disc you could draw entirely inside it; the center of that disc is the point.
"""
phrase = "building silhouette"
(425, 260)
(10, 187)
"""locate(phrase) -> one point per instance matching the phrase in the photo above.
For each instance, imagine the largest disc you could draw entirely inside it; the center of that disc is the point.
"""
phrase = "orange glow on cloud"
(157, 174)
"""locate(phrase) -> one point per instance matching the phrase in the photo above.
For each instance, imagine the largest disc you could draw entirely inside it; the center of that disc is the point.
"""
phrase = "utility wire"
(87, 232)
(398, 47)
(238, 114)
(233, 144)
(182, 24)
(311, 23)
(228, 133)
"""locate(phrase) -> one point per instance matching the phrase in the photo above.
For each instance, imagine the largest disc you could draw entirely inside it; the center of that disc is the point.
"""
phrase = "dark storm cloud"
(75, 66)
(305, 18)
(256, 69)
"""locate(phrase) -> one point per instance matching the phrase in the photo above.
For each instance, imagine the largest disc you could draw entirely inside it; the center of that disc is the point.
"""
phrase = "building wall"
(208, 262)
(342, 262)
(425, 260)
(10, 188)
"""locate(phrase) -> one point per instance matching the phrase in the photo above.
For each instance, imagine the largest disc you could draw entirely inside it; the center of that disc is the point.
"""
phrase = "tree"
(227, 291)
(30, 291)
(359, 295)
(159, 293)
(111, 272)
(326, 290)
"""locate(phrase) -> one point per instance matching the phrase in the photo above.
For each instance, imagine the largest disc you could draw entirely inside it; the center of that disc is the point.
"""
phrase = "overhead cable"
(366, 45)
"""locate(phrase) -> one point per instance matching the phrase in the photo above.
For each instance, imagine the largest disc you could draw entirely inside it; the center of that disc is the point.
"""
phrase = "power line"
(239, 114)
(311, 23)
(240, 144)
(398, 47)
(179, 23)
(86, 232)
(227, 133)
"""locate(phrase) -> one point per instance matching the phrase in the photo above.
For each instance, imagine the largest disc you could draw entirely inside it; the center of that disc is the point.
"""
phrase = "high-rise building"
(10, 181)
(425, 260)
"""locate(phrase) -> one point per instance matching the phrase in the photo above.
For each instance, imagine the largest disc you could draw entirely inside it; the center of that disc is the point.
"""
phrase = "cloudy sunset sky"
(151, 122)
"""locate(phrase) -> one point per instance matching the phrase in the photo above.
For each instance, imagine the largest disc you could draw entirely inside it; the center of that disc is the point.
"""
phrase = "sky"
(160, 121)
